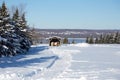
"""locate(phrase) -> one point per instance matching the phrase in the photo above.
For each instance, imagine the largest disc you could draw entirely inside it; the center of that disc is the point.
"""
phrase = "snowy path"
(67, 62)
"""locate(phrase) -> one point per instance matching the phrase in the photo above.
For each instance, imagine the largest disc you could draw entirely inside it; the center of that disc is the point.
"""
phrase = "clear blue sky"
(71, 14)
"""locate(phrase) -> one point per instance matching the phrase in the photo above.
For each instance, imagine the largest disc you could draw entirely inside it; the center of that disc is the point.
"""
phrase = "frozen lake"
(76, 40)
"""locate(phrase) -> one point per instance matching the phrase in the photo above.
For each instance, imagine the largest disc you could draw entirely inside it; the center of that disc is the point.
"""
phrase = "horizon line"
(74, 29)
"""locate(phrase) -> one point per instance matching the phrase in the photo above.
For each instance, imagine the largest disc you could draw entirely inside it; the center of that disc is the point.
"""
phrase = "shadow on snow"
(6, 62)
(34, 50)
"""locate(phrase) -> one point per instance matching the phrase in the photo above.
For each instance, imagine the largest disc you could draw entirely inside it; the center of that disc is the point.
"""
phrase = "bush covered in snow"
(14, 38)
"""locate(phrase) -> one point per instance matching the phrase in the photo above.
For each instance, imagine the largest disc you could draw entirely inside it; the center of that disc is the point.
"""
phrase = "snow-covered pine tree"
(21, 30)
(4, 31)
(23, 22)
(117, 38)
(20, 20)
(13, 39)
(91, 41)
(0, 20)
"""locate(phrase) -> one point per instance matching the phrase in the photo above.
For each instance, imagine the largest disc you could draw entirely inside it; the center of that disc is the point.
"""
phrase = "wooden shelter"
(54, 41)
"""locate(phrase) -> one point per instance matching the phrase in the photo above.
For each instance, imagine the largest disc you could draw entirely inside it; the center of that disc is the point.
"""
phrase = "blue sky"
(71, 14)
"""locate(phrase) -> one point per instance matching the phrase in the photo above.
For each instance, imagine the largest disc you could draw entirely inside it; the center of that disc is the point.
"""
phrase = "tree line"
(113, 38)
(14, 35)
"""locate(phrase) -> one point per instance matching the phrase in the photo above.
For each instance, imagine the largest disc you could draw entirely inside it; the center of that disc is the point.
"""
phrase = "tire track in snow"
(64, 62)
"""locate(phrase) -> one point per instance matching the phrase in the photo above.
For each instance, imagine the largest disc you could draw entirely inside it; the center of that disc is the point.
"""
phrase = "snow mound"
(82, 77)
(118, 53)
(81, 45)
(11, 76)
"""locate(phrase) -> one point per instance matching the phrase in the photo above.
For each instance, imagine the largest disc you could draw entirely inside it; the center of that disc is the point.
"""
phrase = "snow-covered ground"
(67, 62)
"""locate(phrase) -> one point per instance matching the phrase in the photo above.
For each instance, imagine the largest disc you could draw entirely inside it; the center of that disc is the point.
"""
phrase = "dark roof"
(55, 37)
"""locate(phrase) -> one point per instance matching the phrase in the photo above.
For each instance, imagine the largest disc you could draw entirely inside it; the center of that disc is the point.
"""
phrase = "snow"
(8, 25)
(5, 46)
(80, 45)
(24, 30)
(80, 61)
(2, 39)
(1, 21)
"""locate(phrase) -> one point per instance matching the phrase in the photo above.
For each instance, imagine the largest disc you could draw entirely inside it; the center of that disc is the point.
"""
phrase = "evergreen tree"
(104, 39)
(65, 41)
(73, 41)
(16, 15)
(4, 10)
(107, 39)
(111, 39)
(19, 21)
(101, 39)
(16, 19)
(21, 30)
(117, 38)
(5, 17)
(24, 22)
(0, 19)
(96, 41)
(13, 40)
(91, 41)
(87, 40)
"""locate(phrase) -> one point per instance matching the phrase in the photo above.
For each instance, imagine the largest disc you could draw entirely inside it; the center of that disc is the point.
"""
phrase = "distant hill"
(73, 33)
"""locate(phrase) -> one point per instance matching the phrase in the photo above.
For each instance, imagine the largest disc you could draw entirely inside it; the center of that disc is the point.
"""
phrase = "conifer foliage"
(65, 41)
(14, 38)
(113, 38)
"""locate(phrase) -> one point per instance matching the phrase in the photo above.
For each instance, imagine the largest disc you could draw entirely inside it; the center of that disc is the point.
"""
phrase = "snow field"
(98, 62)
(67, 62)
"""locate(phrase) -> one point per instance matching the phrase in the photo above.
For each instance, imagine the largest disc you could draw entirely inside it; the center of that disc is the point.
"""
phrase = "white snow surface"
(67, 62)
